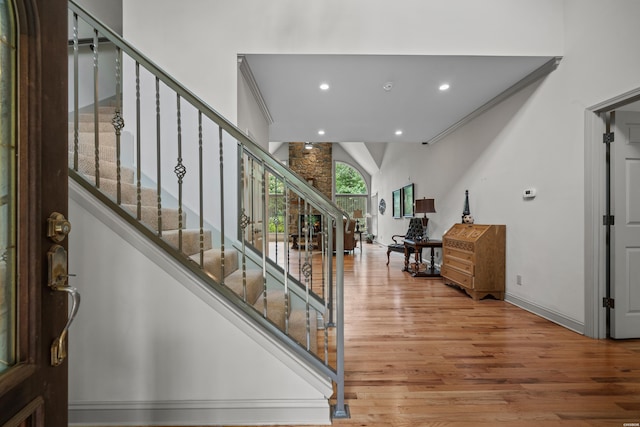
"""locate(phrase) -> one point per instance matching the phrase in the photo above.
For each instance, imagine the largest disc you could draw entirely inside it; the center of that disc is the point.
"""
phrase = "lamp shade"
(425, 206)
(357, 213)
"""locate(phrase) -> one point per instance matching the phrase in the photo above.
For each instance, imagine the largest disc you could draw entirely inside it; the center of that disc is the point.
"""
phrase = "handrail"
(298, 182)
(311, 198)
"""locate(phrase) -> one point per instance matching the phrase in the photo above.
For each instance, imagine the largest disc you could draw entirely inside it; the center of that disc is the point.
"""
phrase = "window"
(351, 191)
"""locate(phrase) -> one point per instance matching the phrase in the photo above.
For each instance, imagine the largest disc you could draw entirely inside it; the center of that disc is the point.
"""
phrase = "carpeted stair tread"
(213, 262)
(90, 127)
(190, 240)
(170, 217)
(106, 138)
(104, 117)
(255, 281)
(108, 170)
(128, 192)
(107, 153)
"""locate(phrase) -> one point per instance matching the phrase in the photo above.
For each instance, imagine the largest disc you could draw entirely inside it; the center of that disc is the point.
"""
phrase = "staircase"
(195, 186)
(247, 284)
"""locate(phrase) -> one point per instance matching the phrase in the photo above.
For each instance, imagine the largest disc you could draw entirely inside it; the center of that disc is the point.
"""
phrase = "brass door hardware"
(58, 228)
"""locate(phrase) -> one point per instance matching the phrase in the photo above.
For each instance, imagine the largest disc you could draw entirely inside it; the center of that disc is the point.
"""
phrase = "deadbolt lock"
(59, 227)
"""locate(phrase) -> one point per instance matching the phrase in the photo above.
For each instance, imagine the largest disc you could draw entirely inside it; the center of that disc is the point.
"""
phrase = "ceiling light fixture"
(308, 146)
(324, 86)
(444, 86)
(387, 86)
(320, 132)
(398, 132)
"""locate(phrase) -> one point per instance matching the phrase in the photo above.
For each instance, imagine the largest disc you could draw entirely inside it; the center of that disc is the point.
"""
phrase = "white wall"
(201, 50)
(534, 139)
(109, 12)
(146, 347)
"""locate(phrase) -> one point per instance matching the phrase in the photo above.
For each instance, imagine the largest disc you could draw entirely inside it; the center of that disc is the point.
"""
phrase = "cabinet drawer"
(457, 276)
(456, 253)
(459, 264)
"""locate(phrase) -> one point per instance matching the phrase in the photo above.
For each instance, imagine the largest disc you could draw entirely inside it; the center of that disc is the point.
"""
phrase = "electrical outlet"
(519, 280)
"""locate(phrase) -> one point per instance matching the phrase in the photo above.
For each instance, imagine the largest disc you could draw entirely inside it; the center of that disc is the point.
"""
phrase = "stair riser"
(105, 139)
(170, 217)
(107, 153)
(213, 262)
(90, 127)
(128, 192)
(87, 166)
(190, 240)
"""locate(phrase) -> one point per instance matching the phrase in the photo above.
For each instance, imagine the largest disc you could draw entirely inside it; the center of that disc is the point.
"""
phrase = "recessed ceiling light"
(444, 86)
(398, 132)
(320, 132)
(324, 86)
(387, 86)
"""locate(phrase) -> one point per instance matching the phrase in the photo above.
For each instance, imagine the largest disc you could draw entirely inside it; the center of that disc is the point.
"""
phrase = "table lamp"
(357, 214)
(425, 206)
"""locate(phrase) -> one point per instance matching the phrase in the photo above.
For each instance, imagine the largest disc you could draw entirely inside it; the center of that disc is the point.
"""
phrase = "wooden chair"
(416, 230)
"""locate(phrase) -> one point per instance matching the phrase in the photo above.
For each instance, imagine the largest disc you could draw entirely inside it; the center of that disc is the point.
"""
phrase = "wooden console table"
(417, 246)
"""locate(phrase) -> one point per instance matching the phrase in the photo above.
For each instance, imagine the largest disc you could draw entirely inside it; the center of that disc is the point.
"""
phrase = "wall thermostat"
(529, 193)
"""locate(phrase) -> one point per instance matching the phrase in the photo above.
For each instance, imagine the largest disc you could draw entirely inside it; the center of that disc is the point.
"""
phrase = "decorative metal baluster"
(138, 148)
(76, 116)
(300, 236)
(286, 256)
(96, 111)
(329, 296)
(158, 159)
(307, 271)
(276, 220)
(252, 168)
(263, 199)
(222, 233)
(180, 171)
(118, 123)
(244, 221)
(201, 189)
(327, 267)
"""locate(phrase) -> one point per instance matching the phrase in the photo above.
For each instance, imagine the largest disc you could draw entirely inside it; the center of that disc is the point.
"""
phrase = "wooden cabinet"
(473, 258)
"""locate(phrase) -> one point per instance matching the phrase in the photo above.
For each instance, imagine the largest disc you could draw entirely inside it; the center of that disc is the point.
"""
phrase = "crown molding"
(243, 65)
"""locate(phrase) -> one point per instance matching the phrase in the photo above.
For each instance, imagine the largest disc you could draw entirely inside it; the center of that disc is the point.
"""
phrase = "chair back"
(416, 230)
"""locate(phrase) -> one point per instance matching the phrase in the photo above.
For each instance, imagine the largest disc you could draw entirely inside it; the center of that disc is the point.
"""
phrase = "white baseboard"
(550, 315)
(200, 413)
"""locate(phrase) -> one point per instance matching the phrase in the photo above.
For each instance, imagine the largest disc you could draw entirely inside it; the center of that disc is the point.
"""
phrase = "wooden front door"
(33, 184)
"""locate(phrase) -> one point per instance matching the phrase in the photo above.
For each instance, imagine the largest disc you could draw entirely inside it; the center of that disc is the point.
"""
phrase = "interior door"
(33, 184)
(625, 245)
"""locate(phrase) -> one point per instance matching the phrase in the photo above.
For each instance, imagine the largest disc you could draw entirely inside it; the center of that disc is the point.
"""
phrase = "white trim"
(195, 412)
(594, 207)
(537, 74)
(594, 232)
(127, 232)
(245, 69)
(550, 315)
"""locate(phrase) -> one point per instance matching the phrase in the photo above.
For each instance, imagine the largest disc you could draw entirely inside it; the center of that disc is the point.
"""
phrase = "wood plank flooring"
(420, 353)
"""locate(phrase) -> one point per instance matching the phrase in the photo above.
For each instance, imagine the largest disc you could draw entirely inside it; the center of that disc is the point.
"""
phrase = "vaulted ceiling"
(382, 98)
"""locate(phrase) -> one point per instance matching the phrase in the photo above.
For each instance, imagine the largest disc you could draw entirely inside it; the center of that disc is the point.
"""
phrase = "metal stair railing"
(160, 132)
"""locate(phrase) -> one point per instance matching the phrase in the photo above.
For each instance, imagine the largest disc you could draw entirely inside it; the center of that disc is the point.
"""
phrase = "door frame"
(595, 318)
(33, 389)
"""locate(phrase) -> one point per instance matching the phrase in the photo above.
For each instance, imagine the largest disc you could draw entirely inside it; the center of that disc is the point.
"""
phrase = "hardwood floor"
(420, 353)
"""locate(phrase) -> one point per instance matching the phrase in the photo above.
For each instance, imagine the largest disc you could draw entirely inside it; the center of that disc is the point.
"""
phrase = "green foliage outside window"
(349, 180)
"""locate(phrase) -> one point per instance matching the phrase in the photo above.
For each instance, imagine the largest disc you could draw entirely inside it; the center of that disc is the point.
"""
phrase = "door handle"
(58, 282)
